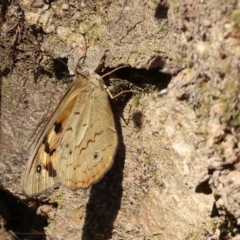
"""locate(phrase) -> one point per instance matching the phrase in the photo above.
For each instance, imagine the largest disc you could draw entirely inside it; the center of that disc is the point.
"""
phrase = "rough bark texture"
(169, 148)
(209, 50)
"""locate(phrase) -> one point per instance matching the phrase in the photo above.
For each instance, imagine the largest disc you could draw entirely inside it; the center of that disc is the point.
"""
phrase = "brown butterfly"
(79, 142)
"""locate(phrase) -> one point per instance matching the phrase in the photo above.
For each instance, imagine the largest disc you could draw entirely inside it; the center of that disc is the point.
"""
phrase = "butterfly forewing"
(40, 174)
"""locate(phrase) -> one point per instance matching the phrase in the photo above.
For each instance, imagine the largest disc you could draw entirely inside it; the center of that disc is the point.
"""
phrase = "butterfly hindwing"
(89, 141)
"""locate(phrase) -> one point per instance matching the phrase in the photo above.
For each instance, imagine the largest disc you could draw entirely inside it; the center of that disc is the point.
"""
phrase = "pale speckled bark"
(209, 50)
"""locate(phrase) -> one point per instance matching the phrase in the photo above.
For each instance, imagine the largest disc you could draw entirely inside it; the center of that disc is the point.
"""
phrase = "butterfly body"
(79, 142)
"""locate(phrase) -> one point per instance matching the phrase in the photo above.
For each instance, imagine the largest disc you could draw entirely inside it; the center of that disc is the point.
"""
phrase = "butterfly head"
(84, 71)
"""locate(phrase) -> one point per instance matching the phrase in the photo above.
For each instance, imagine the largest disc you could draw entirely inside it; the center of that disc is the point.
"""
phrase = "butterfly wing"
(40, 174)
(89, 141)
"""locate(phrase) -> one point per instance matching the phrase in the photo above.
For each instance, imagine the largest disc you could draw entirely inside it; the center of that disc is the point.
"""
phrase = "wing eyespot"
(38, 168)
(95, 156)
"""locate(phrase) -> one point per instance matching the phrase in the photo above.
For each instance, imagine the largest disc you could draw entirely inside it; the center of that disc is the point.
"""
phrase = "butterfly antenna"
(114, 70)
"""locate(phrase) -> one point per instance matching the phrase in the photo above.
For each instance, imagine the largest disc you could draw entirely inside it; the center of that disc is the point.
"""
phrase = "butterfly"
(78, 144)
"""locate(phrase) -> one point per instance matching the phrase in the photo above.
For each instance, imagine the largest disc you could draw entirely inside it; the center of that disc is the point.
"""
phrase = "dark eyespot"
(39, 168)
(70, 152)
(95, 156)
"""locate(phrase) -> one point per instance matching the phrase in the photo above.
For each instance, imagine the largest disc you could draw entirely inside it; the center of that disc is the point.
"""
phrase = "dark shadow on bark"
(143, 78)
(4, 5)
(204, 188)
(161, 11)
(105, 198)
(21, 220)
